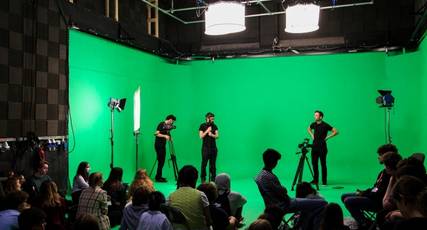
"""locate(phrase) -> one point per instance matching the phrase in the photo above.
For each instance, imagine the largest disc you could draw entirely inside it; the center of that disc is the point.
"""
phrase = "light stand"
(386, 101)
(119, 105)
(136, 121)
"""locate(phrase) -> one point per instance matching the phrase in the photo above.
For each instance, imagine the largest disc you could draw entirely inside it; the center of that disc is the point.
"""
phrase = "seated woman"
(232, 202)
(141, 179)
(80, 181)
(53, 205)
(117, 192)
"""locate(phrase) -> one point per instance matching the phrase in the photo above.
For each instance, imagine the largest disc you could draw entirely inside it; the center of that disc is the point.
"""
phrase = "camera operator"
(319, 147)
(208, 131)
(162, 135)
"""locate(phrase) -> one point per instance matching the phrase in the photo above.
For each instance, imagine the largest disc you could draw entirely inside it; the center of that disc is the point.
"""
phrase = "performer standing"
(208, 131)
(320, 149)
(162, 135)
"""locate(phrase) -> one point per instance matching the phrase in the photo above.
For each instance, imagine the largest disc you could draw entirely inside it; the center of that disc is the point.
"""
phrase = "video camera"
(305, 145)
(169, 127)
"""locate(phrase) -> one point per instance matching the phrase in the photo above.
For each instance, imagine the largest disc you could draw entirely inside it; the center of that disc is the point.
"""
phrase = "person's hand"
(167, 137)
(209, 129)
(210, 134)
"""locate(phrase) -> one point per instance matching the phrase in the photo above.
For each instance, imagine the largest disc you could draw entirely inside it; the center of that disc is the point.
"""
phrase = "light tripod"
(173, 159)
(300, 170)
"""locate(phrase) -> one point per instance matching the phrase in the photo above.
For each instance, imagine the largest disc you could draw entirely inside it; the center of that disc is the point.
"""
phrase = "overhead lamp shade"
(302, 18)
(224, 18)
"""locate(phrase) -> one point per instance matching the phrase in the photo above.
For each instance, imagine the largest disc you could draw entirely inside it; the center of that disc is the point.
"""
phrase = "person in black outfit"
(208, 131)
(319, 148)
(162, 135)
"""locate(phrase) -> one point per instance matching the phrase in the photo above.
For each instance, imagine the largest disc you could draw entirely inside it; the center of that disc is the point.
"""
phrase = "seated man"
(371, 198)
(274, 194)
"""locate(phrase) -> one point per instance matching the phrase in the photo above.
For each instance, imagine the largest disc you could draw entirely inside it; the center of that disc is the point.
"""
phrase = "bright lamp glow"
(225, 18)
(302, 18)
(136, 109)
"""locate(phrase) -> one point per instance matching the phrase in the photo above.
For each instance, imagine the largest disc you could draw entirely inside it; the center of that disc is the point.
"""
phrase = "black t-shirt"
(163, 129)
(208, 141)
(320, 132)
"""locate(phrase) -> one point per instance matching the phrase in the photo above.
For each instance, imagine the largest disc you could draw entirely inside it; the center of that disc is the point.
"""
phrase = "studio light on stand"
(136, 120)
(302, 16)
(119, 105)
(386, 101)
(225, 18)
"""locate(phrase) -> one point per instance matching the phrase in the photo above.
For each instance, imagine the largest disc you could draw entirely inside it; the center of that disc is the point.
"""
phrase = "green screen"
(258, 103)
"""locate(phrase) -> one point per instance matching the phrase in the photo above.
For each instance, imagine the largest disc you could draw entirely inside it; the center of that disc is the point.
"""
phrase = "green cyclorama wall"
(258, 103)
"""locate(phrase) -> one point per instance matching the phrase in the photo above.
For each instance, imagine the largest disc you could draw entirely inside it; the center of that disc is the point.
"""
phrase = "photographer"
(162, 135)
(319, 147)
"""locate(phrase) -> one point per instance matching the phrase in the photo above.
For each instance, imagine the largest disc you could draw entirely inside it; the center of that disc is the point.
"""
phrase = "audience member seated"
(220, 218)
(117, 192)
(80, 181)
(53, 205)
(13, 184)
(32, 185)
(371, 198)
(306, 190)
(260, 224)
(193, 204)
(274, 215)
(407, 192)
(32, 219)
(141, 179)
(391, 161)
(86, 222)
(274, 194)
(232, 202)
(153, 219)
(333, 218)
(93, 200)
(15, 202)
(134, 209)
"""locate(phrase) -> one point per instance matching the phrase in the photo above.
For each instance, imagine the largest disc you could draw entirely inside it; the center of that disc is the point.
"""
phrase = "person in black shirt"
(162, 135)
(208, 131)
(319, 148)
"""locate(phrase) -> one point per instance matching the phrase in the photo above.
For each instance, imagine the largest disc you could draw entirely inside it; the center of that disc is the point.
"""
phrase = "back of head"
(95, 179)
(140, 196)
(32, 219)
(16, 200)
(391, 159)
(222, 182)
(332, 217)
(49, 194)
(407, 189)
(304, 189)
(156, 199)
(260, 224)
(386, 148)
(86, 222)
(270, 157)
(209, 189)
(187, 176)
(411, 167)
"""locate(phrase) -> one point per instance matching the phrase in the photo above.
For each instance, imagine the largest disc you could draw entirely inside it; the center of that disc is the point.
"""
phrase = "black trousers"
(319, 152)
(209, 154)
(161, 156)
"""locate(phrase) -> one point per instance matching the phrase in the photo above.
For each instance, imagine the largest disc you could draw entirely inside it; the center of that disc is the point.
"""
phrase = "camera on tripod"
(305, 145)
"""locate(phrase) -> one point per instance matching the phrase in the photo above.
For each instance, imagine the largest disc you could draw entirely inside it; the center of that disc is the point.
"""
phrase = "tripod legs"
(300, 171)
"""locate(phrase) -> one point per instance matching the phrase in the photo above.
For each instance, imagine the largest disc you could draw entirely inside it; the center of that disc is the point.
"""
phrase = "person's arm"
(158, 134)
(216, 135)
(81, 183)
(202, 133)
(334, 132)
(388, 200)
(310, 131)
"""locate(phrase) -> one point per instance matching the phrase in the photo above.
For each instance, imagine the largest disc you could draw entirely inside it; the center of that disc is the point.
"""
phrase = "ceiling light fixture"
(225, 18)
(302, 16)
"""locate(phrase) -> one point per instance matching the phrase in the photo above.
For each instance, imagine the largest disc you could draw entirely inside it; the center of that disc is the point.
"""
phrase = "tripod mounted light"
(225, 18)
(118, 104)
(386, 99)
(302, 16)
